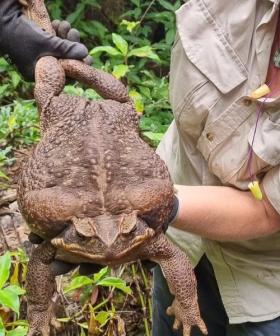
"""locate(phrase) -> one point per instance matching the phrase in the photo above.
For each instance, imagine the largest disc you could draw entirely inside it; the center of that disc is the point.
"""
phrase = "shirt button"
(247, 102)
(210, 136)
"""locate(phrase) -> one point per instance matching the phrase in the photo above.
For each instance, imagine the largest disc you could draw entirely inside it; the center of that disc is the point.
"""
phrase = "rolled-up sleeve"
(271, 185)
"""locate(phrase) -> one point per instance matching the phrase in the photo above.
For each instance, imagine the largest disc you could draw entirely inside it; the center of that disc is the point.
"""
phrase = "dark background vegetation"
(131, 39)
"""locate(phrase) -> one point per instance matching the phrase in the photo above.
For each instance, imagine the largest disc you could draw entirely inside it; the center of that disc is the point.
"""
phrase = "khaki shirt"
(220, 56)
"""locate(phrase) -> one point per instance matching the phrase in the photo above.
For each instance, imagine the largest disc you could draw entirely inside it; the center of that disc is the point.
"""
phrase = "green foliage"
(88, 289)
(19, 124)
(18, 127)
(12, 86)
(10, 293)
(99, 279)
(92, 31)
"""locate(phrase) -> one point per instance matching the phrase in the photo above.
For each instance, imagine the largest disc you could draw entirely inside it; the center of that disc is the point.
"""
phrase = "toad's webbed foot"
(181, 282)
(186, 317)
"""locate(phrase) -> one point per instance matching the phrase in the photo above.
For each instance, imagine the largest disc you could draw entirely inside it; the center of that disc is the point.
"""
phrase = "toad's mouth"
(106, 253)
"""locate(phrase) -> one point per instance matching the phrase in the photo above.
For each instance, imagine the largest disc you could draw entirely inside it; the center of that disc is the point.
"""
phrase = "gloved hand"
(64, 31)
(172, 217)
(173, 214)
(25, 42)
(60, 267)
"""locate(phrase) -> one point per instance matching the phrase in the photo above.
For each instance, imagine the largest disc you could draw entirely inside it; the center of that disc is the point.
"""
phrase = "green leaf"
(5, 265)
(145, 91)
(16, 323)
(103, 317)
(12, 122)
(153, 136)
(83, 326)
(136, 2)
(77, 13)
(167, 5)
(144, 52)
(2, 327)
(101, 274)
(120, 43)
(64, 319)
(3, 89)
(82, 333)
(19, 331)
(137, 100)
(120, 70)
(9, 299)
(116, 283)
(78, 282)
(93, 28)
(4, 176)
(4, 65)
(15, 78)
(170, 36)
(107, 49)
(16, 289)
(130, 25)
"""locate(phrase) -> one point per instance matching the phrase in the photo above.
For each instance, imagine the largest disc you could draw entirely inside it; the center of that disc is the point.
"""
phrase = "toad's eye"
(82, 237)
(84, 227)
(128, 229)
(130, 232)
(128, 224)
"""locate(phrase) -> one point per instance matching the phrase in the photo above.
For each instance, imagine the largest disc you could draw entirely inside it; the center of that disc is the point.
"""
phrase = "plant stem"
(147, 287)
(142, 301)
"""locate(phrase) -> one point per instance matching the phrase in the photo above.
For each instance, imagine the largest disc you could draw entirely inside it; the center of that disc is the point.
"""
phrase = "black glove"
(25, 42)
(172, 215)
(64, 30)
(150, 264)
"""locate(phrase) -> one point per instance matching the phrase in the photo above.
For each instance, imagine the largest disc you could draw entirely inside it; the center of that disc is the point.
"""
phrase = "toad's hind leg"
(181, 282)
(40, 289)
(102, 82)
(48, 211)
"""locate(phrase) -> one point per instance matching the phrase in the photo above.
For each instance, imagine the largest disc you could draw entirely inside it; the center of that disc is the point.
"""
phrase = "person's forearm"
(224, 213)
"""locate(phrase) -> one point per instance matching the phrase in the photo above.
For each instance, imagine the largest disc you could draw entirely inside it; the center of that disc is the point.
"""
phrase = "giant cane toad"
(94, 190)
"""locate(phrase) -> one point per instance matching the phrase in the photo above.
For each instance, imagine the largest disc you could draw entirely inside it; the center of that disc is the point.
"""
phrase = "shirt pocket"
(227, 150)
(206, 46)
(204, 67)
(224, 144)
(267, 139)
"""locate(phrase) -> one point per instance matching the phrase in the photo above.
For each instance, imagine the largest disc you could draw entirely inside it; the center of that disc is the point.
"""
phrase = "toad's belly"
(107, 258)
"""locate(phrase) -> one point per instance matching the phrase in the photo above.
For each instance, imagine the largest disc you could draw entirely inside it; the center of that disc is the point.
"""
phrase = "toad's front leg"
(181, 282)
(40, 289)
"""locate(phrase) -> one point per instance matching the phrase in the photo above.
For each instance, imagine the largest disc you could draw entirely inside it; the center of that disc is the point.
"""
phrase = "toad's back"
(92, 150)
